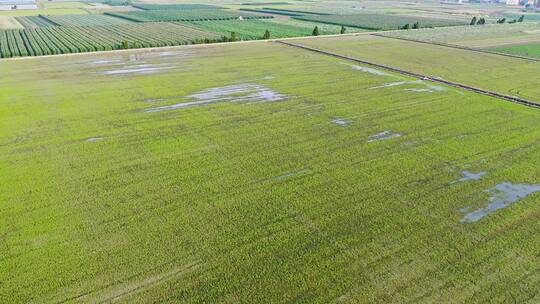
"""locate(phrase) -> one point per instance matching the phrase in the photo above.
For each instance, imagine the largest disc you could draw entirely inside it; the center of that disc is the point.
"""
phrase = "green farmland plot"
(86, 20)
(31, 22)
(380, 21)
(528, 49)
(485, 36)
(285, 12)
(186, 15)
(77, 39)
(260, 173)
(255, 29)
(511, 76)
(180, 6)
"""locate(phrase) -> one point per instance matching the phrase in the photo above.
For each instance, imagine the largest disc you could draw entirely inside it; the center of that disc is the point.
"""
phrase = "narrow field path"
(510, 98)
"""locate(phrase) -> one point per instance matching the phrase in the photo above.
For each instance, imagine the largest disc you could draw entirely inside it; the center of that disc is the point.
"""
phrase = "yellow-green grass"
(257, 202)
(502, 74)
(9, 23)
(61, 11)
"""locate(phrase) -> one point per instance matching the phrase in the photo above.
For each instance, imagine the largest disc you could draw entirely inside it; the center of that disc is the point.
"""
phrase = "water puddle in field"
(417, 90)
(92, 139)
(501, 196)
(237, 93)
(341, 121)
(426, 87)
(389, 84)
(387, 134)
(138, 69)
(174, 53)
(370, 70)
(105, 61)
(468, 176)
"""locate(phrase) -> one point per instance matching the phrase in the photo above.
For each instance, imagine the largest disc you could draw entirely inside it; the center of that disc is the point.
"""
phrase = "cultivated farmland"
(258, 173)
(9, 22)
(527, 49)
(175, 6)
(489, 35)
(31, 22)
(255, 29)
(86, 20)
(380, 21)
(185, 15)
(63, 40)
(502, 74)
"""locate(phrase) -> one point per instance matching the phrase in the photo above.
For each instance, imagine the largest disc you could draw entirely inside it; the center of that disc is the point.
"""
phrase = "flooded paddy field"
(264, 173)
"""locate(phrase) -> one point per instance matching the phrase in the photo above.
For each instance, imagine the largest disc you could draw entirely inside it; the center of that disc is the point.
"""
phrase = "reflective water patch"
(390, 84)
(467, 176)
(370, 70)
(418, 90)
(138, 69)
(105, 61)
(341, 121)
(427, 87)
(387, 134)
(238, 93)
(502, 195)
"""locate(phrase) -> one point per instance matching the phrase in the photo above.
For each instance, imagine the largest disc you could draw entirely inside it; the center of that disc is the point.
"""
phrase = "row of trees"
(233, 37)
(481, 21)
(407, 26)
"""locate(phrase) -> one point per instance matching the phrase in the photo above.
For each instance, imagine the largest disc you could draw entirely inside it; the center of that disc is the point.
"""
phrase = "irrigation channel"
(419, 76)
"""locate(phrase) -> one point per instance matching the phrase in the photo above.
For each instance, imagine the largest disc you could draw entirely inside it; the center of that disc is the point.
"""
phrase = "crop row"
(85, 20)
(267, 11)
(180, 6)
(30, 22)
(185, 15)
(380, 21)
(62, 40)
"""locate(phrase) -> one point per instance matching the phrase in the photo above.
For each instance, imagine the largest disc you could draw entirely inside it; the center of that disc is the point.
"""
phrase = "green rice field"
(512, 76)
(264, 173)
(529, 49)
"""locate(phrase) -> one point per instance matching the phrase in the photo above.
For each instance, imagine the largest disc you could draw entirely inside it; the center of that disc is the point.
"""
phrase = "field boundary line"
(510, 98)
(455, 46)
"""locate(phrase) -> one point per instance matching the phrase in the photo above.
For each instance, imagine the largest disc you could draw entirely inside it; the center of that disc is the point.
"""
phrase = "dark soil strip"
(420, 76)
(459, 47)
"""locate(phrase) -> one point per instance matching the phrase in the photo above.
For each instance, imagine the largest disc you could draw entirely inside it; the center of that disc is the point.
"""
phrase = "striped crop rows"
(30, 22)
(63, 40)
(185, 15)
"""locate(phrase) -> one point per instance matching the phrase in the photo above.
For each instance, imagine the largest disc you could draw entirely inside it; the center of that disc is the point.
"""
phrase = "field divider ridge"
(455, 46)
(510, 98)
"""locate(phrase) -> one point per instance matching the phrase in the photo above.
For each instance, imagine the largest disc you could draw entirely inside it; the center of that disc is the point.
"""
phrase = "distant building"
(512, 2)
